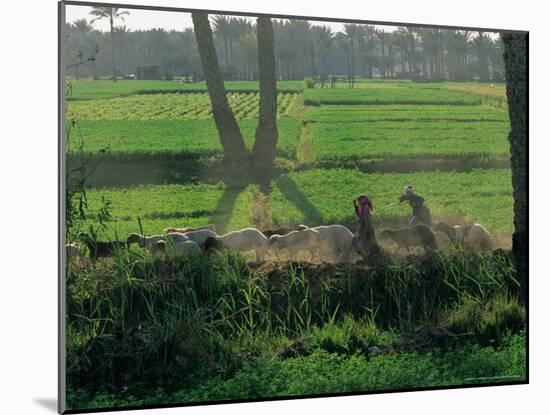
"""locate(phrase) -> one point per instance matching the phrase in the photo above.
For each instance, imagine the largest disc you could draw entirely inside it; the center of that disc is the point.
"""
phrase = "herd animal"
(332, 243)
(418, 235)
(470, 237)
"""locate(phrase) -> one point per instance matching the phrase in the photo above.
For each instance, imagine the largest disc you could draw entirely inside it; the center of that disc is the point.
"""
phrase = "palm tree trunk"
(264, 150)
(515, 61)
(352, 63)
(235, 152)
(113, 48)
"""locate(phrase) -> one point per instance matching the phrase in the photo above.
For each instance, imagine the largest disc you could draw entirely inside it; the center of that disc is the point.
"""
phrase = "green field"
(409, 139)
(86, 89)
(175, 136)
(148, 328)
(174, 106)
(132, 119)
(162, 206)
(483, 196)
(128, 117)
(362, 113)
(393, 94)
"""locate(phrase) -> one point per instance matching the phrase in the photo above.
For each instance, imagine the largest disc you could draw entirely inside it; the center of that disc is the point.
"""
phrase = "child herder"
(364, 240)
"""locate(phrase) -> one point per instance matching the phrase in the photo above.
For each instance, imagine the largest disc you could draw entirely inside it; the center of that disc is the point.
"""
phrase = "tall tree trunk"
(413, 58)
(113, 48)
(230, 60)
(352, 63)
(515, 61)
(391, 55)
(264, 150)
(383, 60)
(235, 152)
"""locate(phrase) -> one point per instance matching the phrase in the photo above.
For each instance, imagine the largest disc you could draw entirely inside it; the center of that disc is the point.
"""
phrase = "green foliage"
(488, 322)
(323, 373)
(310, 83)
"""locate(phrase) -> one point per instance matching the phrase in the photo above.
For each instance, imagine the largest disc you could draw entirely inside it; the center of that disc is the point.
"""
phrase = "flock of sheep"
(330, 243)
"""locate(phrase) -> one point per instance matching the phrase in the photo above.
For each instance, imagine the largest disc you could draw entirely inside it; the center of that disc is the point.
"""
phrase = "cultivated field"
(322, 133)
(149, 329)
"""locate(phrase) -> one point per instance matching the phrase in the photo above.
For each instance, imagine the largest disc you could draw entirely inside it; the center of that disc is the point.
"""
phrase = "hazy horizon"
(139, 19)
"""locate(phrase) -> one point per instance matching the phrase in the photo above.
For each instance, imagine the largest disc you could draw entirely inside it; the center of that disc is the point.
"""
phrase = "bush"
(310, 83)
(488, 323)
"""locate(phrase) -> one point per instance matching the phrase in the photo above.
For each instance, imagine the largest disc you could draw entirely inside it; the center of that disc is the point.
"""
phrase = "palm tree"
(409, 34)
(264, 150)
(249, 50)
(111, 14)
(323, 37)
(481, 44)
(383, 37)
(429, 39)
(83, 30)
(515, 61)
(235, 152)
(343, 45)
(458, 44)
(400, 40)
(122, 32)
(351, 32)
(222, 29)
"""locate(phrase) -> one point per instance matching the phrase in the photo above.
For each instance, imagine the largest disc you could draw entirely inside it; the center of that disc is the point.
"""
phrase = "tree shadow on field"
(293, 194)
(223, 212)
(224, 209)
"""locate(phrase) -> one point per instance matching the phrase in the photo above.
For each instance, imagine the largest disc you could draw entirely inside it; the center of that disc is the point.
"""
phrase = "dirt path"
(261, 213)
(305, 152)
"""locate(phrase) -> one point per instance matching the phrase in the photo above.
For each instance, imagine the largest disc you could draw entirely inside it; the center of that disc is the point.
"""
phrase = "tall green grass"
(137, 314)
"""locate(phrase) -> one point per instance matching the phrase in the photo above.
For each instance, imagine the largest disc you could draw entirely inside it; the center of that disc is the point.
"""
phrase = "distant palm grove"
(302, 50)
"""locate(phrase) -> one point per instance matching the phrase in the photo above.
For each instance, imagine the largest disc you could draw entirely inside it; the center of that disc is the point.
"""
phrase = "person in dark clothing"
(364, 241)
(420, 212)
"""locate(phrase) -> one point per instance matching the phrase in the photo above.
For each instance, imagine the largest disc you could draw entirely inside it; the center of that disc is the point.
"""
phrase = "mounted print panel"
(275, 207)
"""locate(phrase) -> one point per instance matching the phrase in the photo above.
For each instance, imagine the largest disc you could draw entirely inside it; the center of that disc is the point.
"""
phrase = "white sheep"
(296, 241)
(209, 227)
(179, 247)
(248, 239)
(199, 237)
(336, 242)
(150, 242)
(469, 237)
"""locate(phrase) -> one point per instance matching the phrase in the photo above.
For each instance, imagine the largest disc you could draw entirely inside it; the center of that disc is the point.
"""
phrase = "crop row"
(174, 106)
